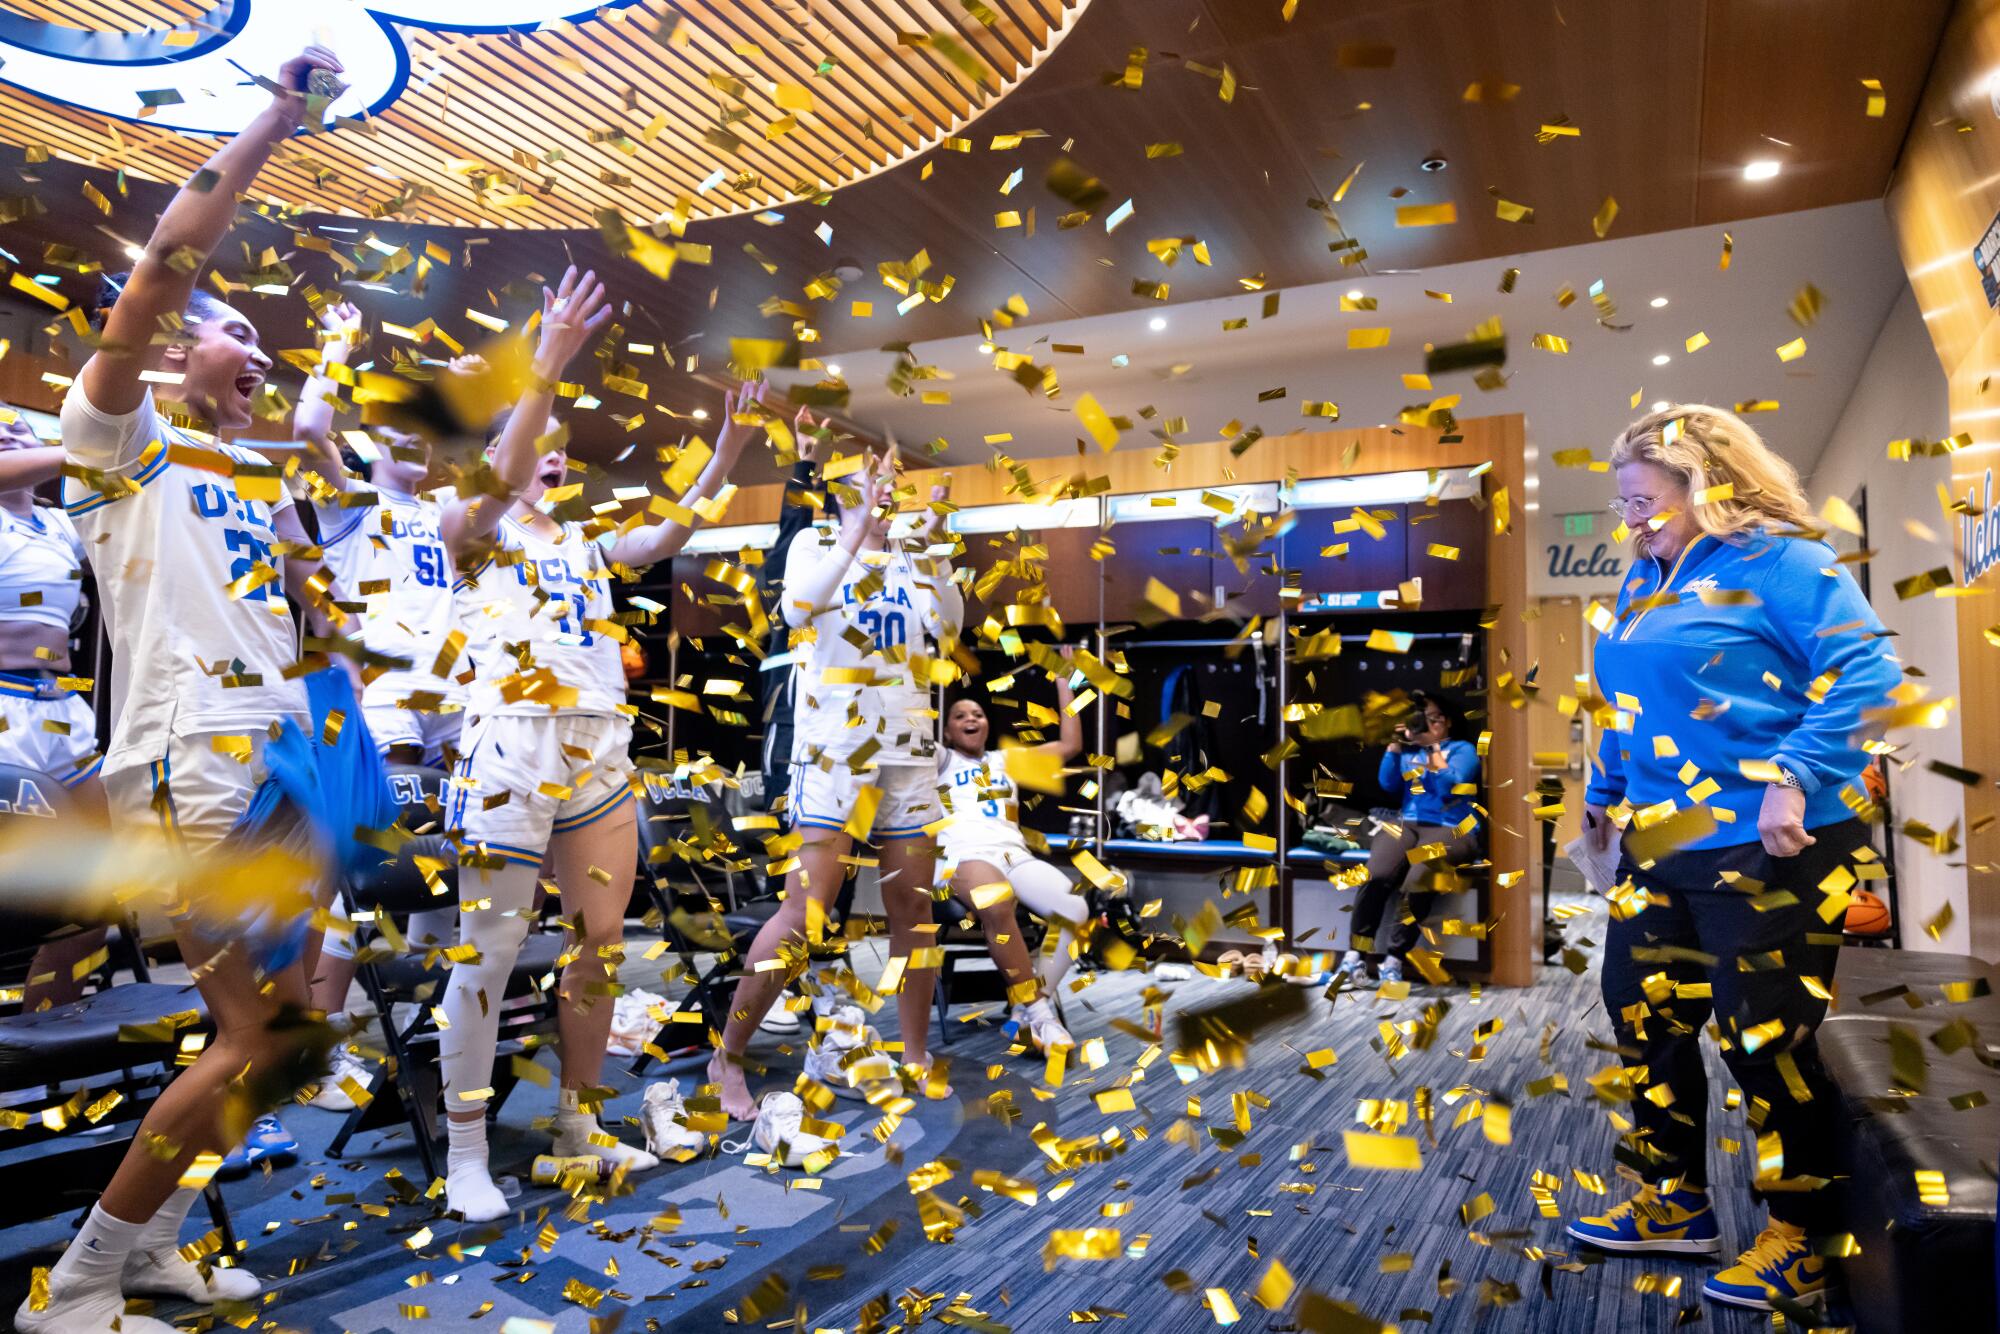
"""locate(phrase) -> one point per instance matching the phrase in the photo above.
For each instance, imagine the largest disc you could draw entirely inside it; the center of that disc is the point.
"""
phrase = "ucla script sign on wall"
(1980, 531)
(197, 78)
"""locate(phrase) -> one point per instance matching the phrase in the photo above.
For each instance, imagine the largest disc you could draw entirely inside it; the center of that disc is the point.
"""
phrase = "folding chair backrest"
(31, 802)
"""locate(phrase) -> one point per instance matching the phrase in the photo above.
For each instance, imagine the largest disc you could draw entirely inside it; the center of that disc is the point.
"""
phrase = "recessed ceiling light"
(1658, 301)
(1354, 294)
(135, 253)
(985, 349)
(699, 414)
(1662, 359)
(1661, 405)
(1763, 169)
(833, 368)
(1157, 323)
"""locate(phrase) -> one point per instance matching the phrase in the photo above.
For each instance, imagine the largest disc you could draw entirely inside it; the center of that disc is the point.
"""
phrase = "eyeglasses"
(1636, 507)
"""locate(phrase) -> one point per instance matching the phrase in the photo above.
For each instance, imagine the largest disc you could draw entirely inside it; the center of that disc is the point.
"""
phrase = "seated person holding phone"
(1437, 774)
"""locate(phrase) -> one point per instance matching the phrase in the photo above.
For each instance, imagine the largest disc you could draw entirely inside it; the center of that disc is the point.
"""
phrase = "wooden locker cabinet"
(1370, 565)
(1449, 585)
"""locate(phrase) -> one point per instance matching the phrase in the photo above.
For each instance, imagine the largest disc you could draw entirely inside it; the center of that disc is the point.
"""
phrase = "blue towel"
(331, 791)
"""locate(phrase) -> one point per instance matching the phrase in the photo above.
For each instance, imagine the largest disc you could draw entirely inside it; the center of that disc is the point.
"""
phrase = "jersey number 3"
(885, 628)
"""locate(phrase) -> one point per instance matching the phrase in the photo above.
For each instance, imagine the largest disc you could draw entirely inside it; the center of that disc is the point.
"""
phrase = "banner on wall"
(1575, 554)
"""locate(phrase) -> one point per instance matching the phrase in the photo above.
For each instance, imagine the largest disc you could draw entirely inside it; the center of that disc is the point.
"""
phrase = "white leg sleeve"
(339, 941)
(472, 997)
(1047, 892)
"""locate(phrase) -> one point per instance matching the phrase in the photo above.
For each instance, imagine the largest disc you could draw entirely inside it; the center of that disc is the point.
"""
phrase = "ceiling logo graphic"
(198, 78)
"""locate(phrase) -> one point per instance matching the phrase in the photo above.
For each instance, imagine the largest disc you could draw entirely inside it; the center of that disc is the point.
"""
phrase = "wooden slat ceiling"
(1668, 102)
(632, 109)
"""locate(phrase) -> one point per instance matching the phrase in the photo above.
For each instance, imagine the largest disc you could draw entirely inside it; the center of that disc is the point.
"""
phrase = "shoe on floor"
(1781, 1266)
(345, 1065)
(831, 1061)
(1390, 973)
(779, 1131)
(779, 1020)
(266, 1142)
(1679, 1222)
(1353, 966)
(663, 1116)
(1036, 1024)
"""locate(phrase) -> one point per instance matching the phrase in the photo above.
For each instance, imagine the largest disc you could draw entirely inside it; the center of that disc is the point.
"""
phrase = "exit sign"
(1579, 525)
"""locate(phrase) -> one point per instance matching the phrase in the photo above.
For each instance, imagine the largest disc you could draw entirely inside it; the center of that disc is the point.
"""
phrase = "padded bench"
(1925, 1263)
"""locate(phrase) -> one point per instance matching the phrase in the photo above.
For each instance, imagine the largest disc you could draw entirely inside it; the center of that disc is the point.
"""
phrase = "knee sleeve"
(478, 985)
(1048, 893)
(339, 940)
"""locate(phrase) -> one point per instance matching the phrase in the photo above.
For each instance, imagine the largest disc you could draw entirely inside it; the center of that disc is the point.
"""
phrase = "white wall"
(1901, 393)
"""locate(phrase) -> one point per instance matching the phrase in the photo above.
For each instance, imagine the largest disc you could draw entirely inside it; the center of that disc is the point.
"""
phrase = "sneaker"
(1353, 966)
(831, 1060)
(779, 1131)
(1781, 1267)
(663, 1116)
(780, 1020)
(1037, 1023)
(266, 1142)
(1678, 1222)
(331, 1096)
(1390, 972)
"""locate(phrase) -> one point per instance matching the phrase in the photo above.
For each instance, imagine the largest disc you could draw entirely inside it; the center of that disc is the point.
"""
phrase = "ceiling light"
(1354, 294)
(1661, 405)
(135, 253)
(699, 414)
(1662, 359)
(1658, 301)
(833, 368)
(1763, 169)
(1157, 323)
(985, 349)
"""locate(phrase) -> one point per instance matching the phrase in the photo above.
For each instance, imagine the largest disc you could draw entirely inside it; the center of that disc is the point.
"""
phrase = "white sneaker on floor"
(779, 1131)
(95, 1310)
(331, 1096)
(163, 1273)
(1353, 966)
(828, 1063)
(1390, 971)
(1038, 1024)
(663, 1116)
(779, 1020)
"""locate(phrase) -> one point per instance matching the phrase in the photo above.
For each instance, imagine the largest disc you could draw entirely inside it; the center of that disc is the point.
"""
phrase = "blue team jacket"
(1757, 647)
(1427, 797)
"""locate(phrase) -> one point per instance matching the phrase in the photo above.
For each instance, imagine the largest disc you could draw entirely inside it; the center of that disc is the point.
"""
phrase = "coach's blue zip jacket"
(1752, 648)
(1427, 792)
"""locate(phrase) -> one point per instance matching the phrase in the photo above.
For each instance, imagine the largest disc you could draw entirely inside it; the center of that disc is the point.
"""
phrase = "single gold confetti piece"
(1607, 213)
(1426, 215)
(1360, 339)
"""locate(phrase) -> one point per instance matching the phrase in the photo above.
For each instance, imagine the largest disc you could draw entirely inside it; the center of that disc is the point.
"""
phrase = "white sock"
(468, 1184)
(574, 1128)
(155, 1266)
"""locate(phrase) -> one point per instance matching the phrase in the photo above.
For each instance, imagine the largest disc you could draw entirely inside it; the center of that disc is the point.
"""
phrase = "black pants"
(1390, 869)
(1756, 978)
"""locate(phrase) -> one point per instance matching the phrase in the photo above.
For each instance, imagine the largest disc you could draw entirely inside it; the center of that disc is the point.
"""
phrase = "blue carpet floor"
(1192, 1209)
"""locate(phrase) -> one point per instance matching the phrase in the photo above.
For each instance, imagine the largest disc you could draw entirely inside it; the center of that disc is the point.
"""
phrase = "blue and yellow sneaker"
(1780, 1267)
(1672, 1222)
(267, 1141)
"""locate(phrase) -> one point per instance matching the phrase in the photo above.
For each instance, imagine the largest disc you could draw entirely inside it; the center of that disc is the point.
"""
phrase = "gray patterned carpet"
(1201, 1208)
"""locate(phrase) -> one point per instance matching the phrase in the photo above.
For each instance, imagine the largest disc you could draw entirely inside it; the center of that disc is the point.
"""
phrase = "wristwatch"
(1789, 779)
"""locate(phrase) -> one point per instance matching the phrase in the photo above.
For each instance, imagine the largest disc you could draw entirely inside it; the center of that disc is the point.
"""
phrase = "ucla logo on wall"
(1981, 532)
(198, 78)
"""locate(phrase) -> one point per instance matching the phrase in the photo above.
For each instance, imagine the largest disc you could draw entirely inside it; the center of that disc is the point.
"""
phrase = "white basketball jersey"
(389, 554)
(537, 620)
(859, 684)
(194, 597)
(981, 805)
(41, 567)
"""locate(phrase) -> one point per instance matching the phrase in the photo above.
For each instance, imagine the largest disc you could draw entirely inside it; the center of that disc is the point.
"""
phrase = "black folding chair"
(81, 1076)
(416, 980)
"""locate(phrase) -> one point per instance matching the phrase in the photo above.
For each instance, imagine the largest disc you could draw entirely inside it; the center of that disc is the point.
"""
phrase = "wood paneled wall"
(1515, 844)
(1945, 195)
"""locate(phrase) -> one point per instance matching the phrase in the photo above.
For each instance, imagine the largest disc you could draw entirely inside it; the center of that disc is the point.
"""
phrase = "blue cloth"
(1427, 792)
(333, 791)
(1754, 648)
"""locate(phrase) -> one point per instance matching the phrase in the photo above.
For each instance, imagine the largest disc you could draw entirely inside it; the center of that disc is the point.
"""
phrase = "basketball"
(1867, 915)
